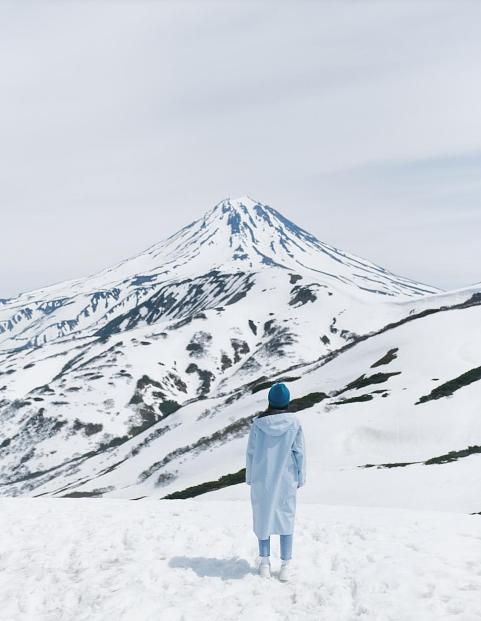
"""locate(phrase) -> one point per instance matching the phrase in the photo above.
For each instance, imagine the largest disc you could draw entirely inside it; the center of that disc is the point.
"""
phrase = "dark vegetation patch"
(387, 358)
(251, 365)
(383, 393)
(448, 388)
(302, 403)
(268, 384)
(237, 297)
(240, 347)
(454, 455)
(205, 377)
(440, 459)
(276, 344)
(293, 278)
(400, 464)
(148, 415)
(360, 399)
(102, 447)
(347, 335)
(234, 430)
(177, 382)
(153, 435)
(269, 327)
(180, 324)
(92, 494)
(39, 422)
(165, 478)
(199, 344)
(253, 326)
(168, 406)
(37, 428)
(225, 362)
(209, 486)
(233, 397)
(325, 339)
(18, 404)
(363, 381)
(28, 455)
(89, 429)
(144, 382)
(29, 365)
(301, 295)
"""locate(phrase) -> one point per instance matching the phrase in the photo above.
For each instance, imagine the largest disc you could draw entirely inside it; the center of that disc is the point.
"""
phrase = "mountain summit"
(243, 234)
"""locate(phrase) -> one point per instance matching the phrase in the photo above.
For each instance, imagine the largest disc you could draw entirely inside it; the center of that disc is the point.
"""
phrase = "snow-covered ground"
(102, 560)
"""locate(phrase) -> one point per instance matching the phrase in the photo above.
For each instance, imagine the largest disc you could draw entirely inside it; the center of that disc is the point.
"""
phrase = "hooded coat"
(275, 468)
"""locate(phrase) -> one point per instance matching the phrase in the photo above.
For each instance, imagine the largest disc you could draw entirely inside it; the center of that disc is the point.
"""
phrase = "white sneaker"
(284, 572)
(265, 567)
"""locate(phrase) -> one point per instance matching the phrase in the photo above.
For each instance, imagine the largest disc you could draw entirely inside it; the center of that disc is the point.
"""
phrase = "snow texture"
(114, 560)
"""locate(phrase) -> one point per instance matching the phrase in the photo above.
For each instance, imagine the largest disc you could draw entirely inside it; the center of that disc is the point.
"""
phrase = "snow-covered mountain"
(207, 264)
(142, 379)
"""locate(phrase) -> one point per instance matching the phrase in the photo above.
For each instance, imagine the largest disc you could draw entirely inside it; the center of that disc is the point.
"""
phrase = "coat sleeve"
(250, 453)
(299, 451)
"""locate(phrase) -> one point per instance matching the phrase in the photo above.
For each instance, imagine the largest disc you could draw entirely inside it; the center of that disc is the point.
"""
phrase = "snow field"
(106, 560)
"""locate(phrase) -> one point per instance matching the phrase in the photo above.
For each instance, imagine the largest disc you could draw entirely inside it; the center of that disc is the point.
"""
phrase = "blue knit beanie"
(279, 396)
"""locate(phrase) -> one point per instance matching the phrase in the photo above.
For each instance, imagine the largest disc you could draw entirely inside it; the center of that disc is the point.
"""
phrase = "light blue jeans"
(286, 547)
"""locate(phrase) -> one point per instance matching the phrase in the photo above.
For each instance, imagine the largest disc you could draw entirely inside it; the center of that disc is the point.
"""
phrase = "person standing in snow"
(275, 468)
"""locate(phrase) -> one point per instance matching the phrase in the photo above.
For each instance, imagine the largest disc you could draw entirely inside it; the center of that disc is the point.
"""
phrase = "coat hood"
(277, 424)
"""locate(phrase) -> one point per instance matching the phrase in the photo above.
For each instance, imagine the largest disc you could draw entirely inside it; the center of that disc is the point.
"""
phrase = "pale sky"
(122, 121)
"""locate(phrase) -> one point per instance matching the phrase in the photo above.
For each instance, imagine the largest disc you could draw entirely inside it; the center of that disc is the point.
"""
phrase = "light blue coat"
(275, 468)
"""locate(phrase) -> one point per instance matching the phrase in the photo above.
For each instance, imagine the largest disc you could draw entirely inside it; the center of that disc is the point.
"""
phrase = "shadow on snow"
(227, 569)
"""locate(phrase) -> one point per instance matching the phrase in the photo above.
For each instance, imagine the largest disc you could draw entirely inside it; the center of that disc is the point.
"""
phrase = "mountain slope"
(390, 419)
(152, 391)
